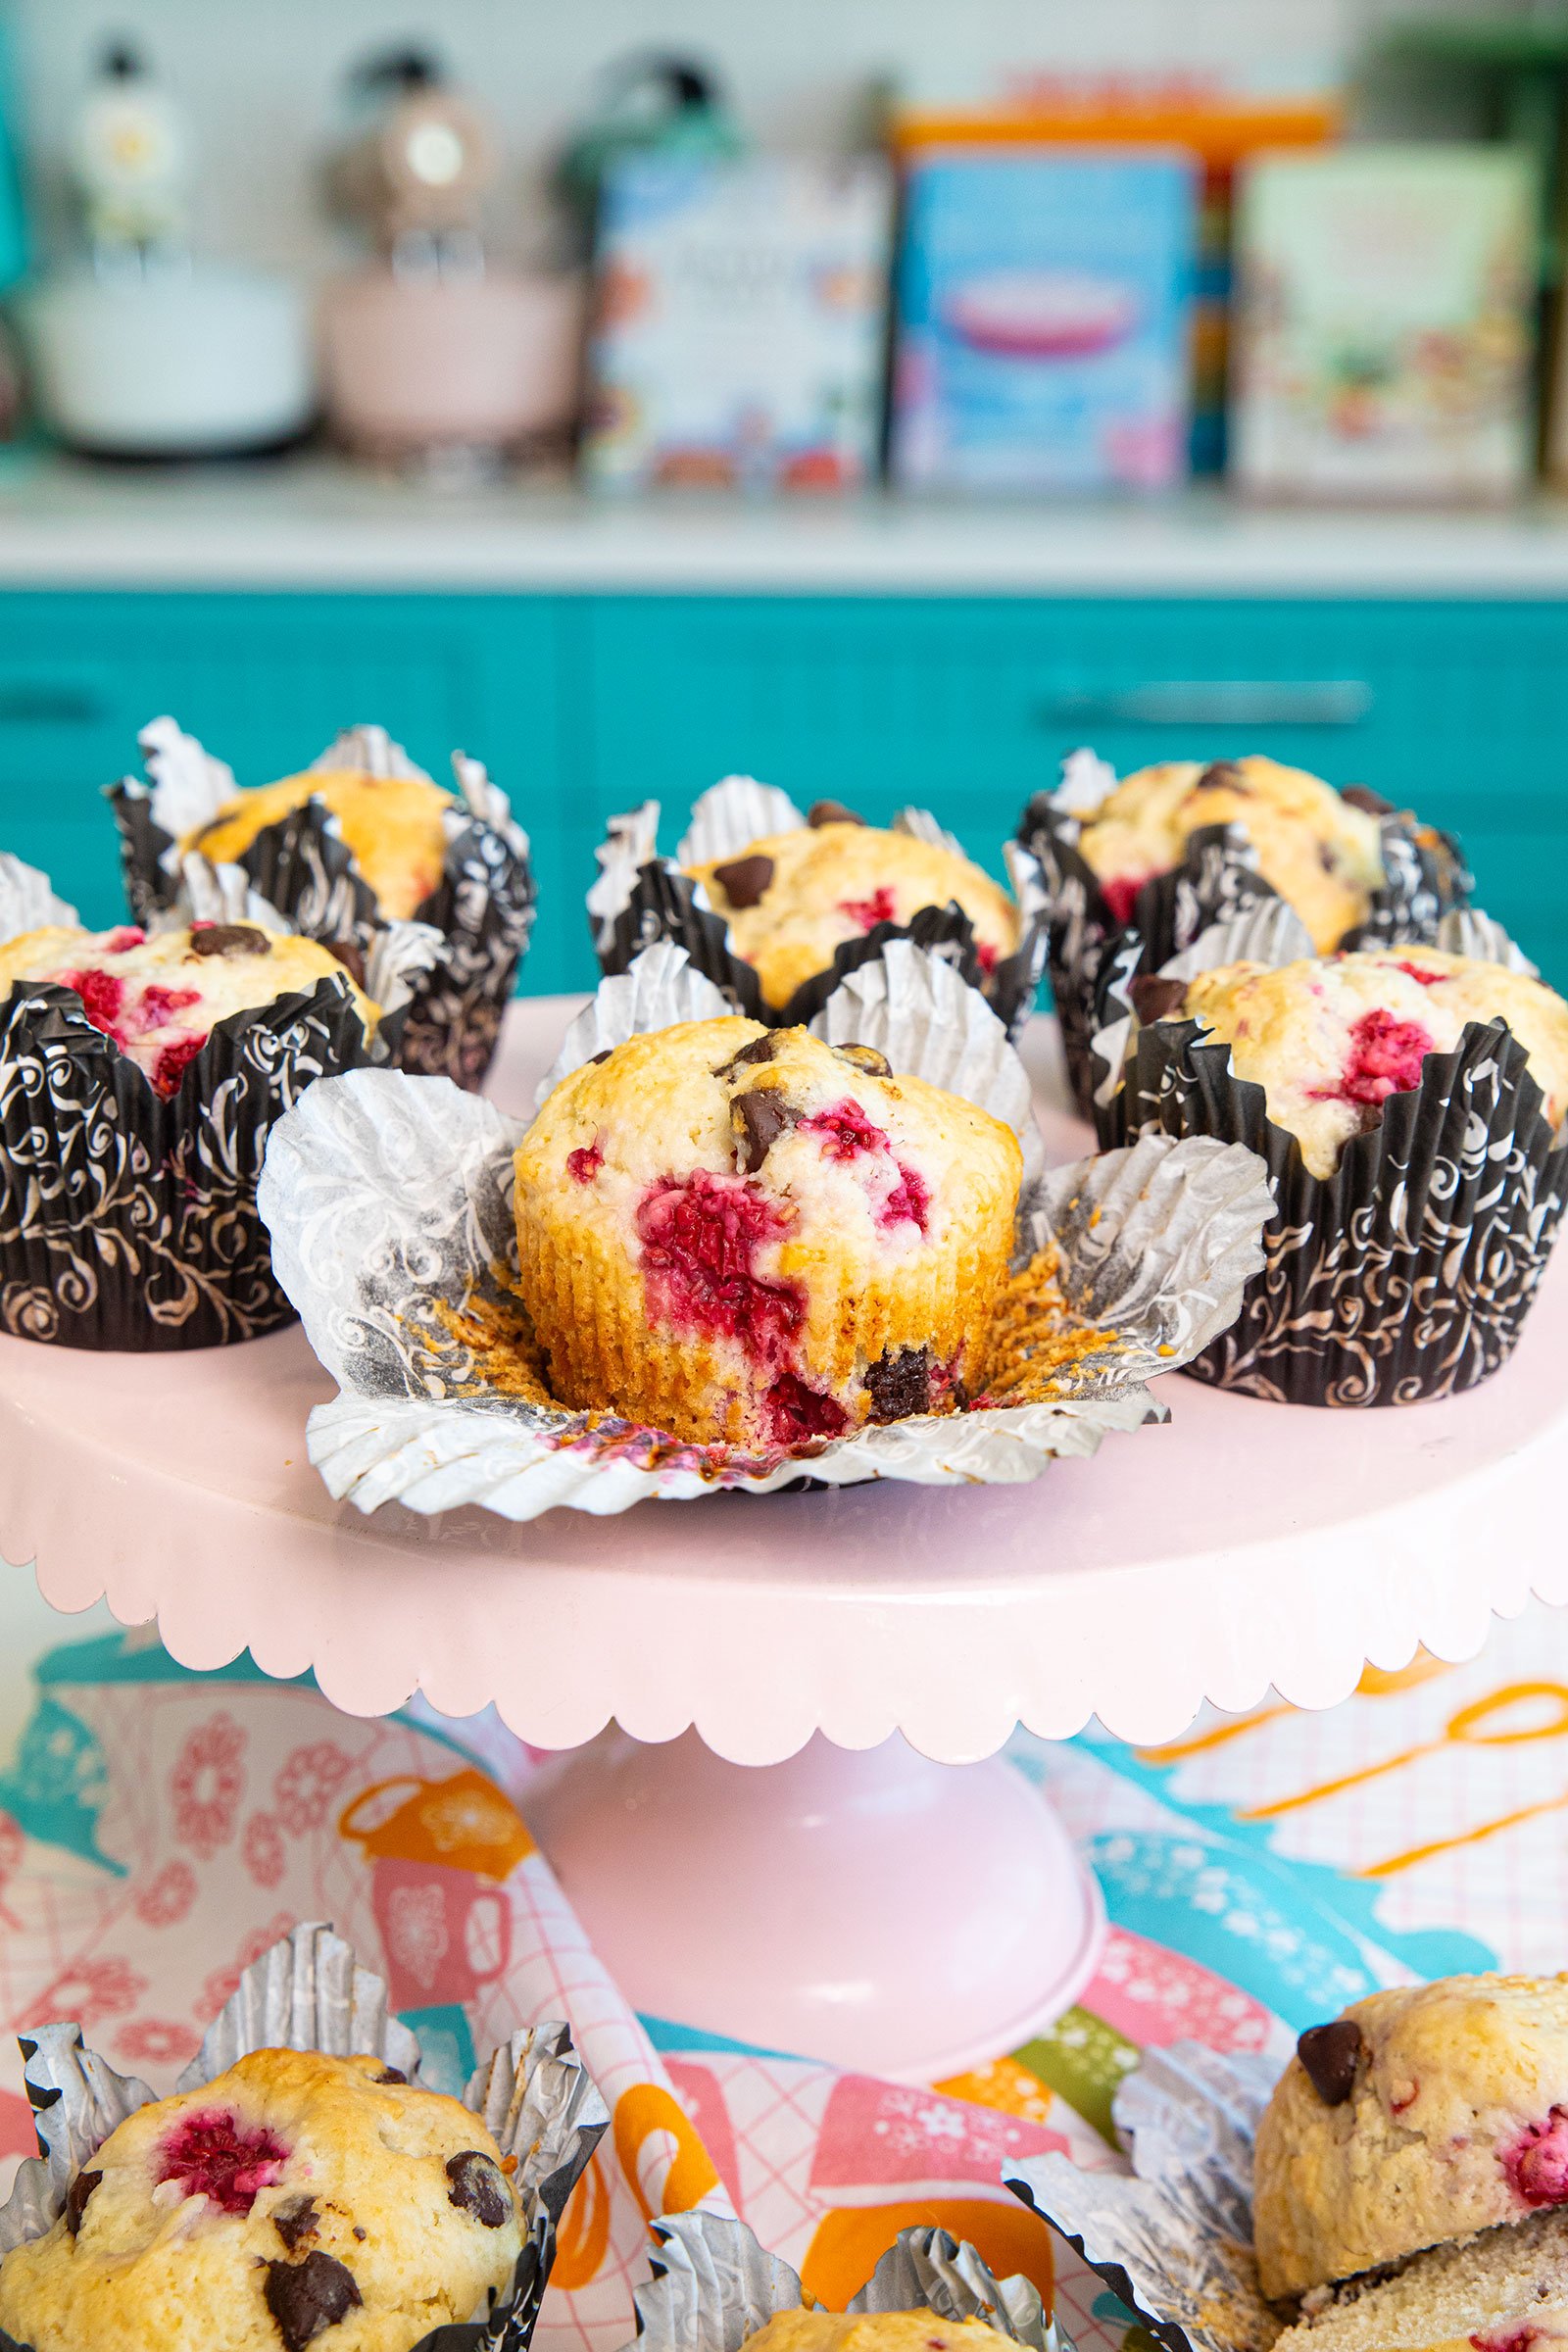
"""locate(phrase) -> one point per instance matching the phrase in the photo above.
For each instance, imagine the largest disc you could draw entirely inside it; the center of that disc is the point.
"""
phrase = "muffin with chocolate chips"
(792, 900)
(749, 1236)
(1410, 1104)
(1423, 2114)
(1319, 849)
(140, 1075)
(295, 2200)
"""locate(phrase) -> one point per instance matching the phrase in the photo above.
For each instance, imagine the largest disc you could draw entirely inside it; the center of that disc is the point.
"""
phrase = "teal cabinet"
(583, 704)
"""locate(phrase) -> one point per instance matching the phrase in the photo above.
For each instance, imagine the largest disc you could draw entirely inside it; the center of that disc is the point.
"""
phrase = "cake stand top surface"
(1241, 1546)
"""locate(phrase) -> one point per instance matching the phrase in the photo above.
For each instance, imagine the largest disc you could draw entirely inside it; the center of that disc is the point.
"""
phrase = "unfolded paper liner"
(308, 1993)
(390, 1207)
(1408, 1273)
(1425, 875)
(714, 2286)
(1173, 2238)
(128, 1221)
(640, 898)
(482, 909)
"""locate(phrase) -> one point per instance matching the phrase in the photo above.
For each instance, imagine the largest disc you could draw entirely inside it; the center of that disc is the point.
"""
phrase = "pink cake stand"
(1244, 1544)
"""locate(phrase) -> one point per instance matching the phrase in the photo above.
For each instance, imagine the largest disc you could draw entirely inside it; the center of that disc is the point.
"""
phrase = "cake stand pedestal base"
(862, 1906)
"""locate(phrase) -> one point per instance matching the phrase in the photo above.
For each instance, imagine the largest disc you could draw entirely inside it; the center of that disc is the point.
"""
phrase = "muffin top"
(1425, 2112)
(1316, 846)
(873, 2332)
(159, 998)
(1331, 1039)
(294, 2200)
(793, 898)
(392, 824)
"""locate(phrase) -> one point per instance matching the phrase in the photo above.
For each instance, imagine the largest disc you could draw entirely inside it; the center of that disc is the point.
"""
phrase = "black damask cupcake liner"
(128, 1221)
(641, 899)
(308, 1991)
(483, 907)
(1217, 877)
(1405, 1275)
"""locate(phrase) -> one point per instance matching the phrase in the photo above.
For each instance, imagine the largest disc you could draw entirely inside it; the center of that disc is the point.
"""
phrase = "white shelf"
(312, 524)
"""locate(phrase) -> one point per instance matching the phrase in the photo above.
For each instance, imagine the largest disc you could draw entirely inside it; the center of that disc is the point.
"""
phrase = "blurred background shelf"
(595, 653)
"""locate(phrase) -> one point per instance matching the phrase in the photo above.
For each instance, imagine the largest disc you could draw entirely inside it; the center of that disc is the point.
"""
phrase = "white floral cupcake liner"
(389, 1202)
(1408, 1273)
(127, 1219)
(1425, 876)
(641, 897)
(482, 909)
(308, 1993)
(714, 2285)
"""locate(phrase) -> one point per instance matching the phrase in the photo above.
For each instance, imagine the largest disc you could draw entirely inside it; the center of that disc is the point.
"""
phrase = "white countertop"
(311, 522)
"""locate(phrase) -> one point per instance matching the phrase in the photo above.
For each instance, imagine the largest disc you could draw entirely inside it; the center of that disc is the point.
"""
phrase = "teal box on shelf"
(582, 706)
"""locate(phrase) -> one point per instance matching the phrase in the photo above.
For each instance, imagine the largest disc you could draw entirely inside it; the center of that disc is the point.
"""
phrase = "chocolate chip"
(761, 1049)
(361, 2232)
(1225, 776)
(350, 956)
(1331, 2054)
(395, 2074)
(867, 1058)
(899, 1384)
(228, 939)
(1370, 803)
(594, 1059)
(745, 879)
(478, 2188)
(832, 812)
(307, 2297)
(758, 1118)
(1326, 858)
(76, 2196)
(295, 2222)
(1156, 999)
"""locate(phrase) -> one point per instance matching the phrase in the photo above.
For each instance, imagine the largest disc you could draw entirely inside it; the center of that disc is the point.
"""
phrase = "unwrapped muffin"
(295, 2200)
(1424, 2113)
(749, 1236)
(793, 898)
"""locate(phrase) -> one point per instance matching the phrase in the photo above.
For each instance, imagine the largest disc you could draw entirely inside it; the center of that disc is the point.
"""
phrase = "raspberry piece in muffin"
(1316, 847)
(296, 2200)
(793, 900)
(1437, 2110)
(159, 998)
(1332, 1039)
(771, 1223)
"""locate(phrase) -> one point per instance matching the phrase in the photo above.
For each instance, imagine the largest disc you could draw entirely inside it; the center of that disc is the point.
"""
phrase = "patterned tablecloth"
(157, 1828)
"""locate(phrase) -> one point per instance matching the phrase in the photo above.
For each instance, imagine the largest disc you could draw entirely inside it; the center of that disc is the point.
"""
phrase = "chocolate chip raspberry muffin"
(361, 841)
(1329, 1041)
(793, 898)
(1503, 2291)
(873, 2332)
(159, 998)
(749, 1236)
(294, 2200)
(393, 825)
(1319, 849)
(1421, 2115)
